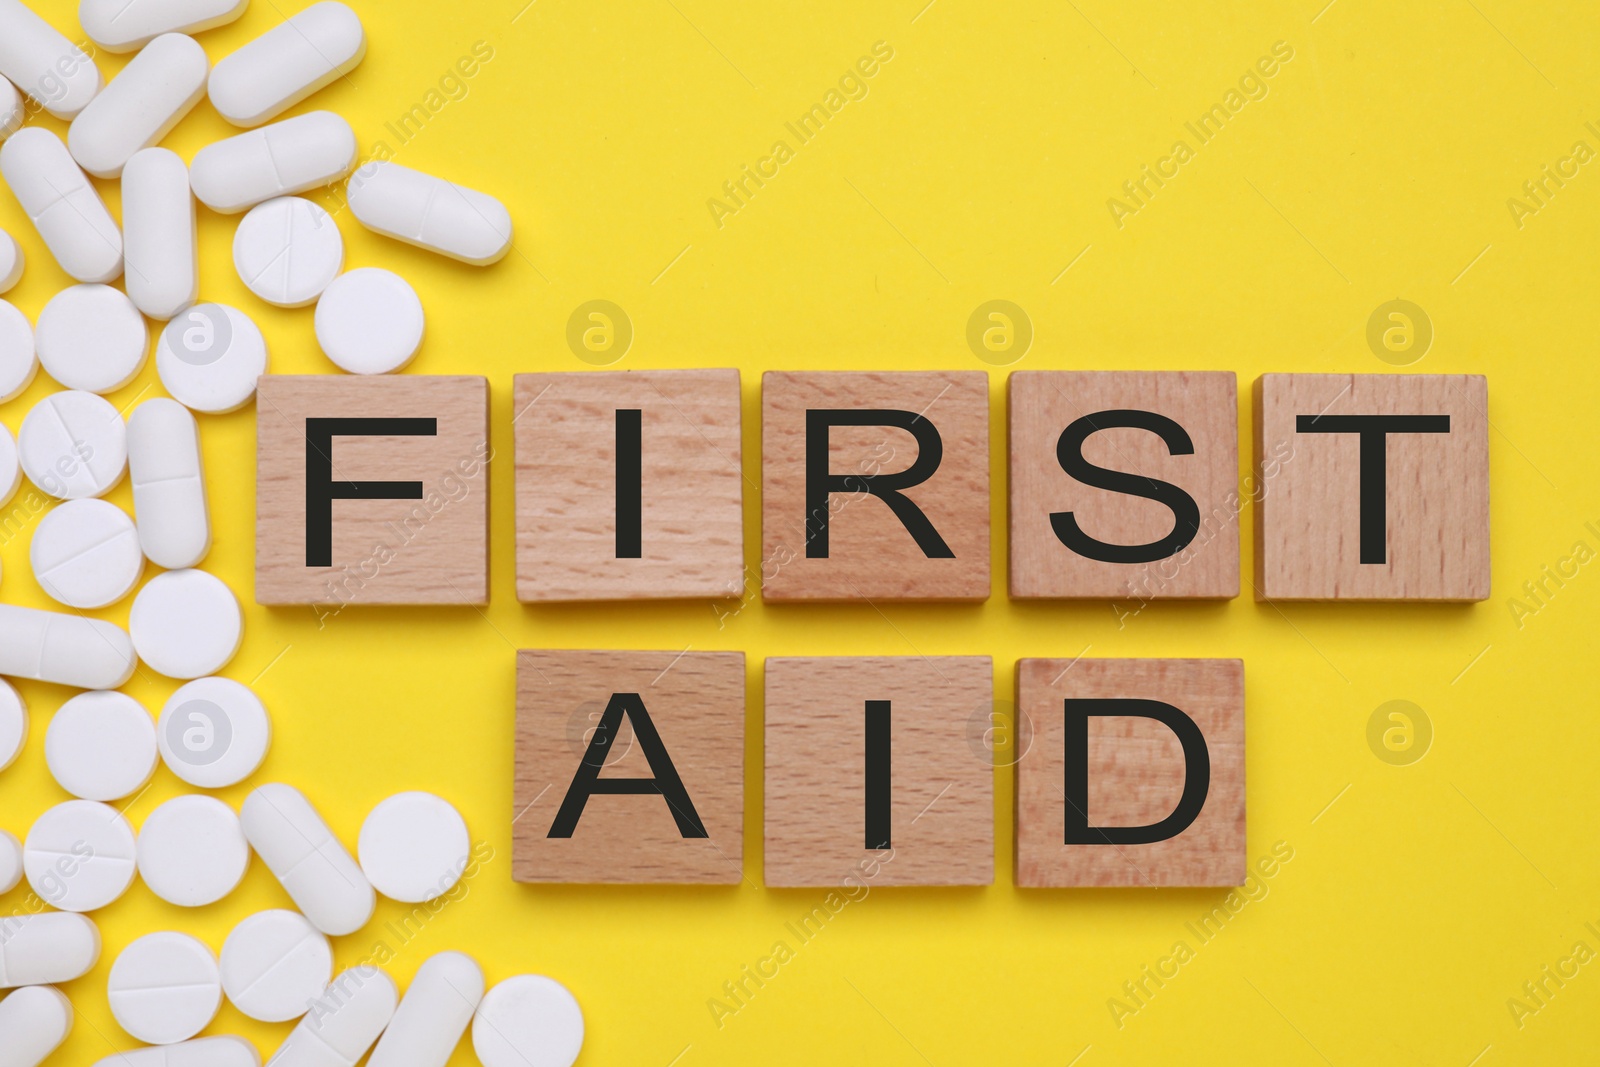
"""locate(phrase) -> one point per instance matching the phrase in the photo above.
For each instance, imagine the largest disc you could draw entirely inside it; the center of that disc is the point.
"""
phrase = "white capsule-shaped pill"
(62, 205)
(65, 649)
(34, 1022)
(128, 25)
(430, 213)
(12, 113)
(141, 105)
(43, 63)
(288, 157)
(203, 1052)
(158, 234)
(47, 948)
(342, 1025)
(318, 872)
(434, 1015)
(288, 63)
(169, 489)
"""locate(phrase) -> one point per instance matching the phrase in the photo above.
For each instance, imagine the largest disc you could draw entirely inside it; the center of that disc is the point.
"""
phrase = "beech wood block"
(674, 809)
(875, 486)
(1372, 487)
(1137, 774)
(874, 751)
(1138, 444)
(372, 490)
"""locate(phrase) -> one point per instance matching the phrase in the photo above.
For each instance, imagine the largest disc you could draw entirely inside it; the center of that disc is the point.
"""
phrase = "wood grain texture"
(871, 554)
(1437, 504)
(1136, 773)
(942, 778)
(1043, 404)
(692, 515)
(432, 550)
(696, 701)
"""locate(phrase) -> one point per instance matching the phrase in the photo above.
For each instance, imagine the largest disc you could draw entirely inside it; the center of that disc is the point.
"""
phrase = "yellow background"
(1420, 898)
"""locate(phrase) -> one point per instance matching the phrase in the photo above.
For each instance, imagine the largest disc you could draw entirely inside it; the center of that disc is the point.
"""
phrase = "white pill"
(430, 213)
(62, 205)
(158, 234)
(343, 1023)
(12, 259)
(73, 445)
(210, 358)
(204, 1052)
(18, 359)
(436, 1010)
(64, 649)
(85, 554)
(101, 746)
(128, 25)
(528, 1021)
(169, 489)
(47, 948)
(413, 847)
(316, 870)
(369, 321)
(186, 624)
(91, 337)
(214, 733)
(34, 1022)
(10, 862)
(165, 988)
(12, 112)
(141, 105)
(43, 63)
(288, 63)
(274, 964)
(13, 725)
(192, 851)
(80, 856)
(287, 251)
(10, 467)
(288, 157)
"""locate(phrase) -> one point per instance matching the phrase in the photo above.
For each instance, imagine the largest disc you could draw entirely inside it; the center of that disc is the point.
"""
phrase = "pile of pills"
(102, 746)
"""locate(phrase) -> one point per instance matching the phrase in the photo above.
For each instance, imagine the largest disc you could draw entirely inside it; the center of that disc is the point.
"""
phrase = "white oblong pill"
(342, 1025)
(213, 733)
(210, 357)
(128, 25)
(62, 205)
(413, 847)
(288, 63)
(169, 488)
(12, 112)
(192, 851)
(101, 746)
(47, 948)
(287, 251)
(85, 554)
(186, 624)
(370, 321)
(43, 63)
(316, 870)
(430, 212)
(141, 105)
(12, 259)
(10, 467)
(202, 1052)
(73, 445)
(65, 649)
(165, 988)
(158, 234)
(34, 1022)
(288, 157)
(438, 1006)
(528, 1021)
(80, 856)
(19, 361)
(10, 862)
(274, 965)
(13, 725)
(91, 337)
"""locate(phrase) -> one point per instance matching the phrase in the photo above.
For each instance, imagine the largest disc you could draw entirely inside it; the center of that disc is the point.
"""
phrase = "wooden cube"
(629, 767)
(372, 490)
(1150, 508)
(629, 485)
(876, 771)
(875, 486)
(1111, 801)
(1372, 487)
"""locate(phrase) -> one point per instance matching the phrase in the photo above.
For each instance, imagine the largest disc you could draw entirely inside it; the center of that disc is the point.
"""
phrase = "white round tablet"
(86, 554)
(74, 445)
(528, 1021)
(165, 988)
(101, 746)
(91, 337)
(192, 851)
(369, 321)
(275, 964)
(10, 862)
(80, 856)
(19, 360)
(12, 261)
(186, 624)
(13, 724)
(214, 733)
(413, 847)
(209, 358)
(287, 251)
(10, 467)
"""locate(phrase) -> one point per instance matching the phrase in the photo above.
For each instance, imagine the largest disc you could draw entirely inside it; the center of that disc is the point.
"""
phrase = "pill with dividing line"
(288, 157)
(45, 646)
(288, 63)
(436, 1011)
(321, 876)
(34, 1022)
(62, 205)
(169, 490)
(204, 1052)
(43, 63)
(158, 234)
(12, 113)
(430, 213)
(50, 947)
(343, 1024)
(128, 25)
(141, 105)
